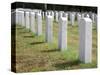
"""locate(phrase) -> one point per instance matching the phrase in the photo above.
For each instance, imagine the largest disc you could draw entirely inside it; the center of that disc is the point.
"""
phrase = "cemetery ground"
(34, 54)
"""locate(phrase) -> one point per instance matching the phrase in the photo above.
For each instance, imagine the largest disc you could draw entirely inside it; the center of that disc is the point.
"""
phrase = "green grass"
(34, 54)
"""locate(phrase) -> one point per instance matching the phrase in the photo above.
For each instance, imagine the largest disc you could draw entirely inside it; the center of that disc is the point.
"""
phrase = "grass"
(34, 54)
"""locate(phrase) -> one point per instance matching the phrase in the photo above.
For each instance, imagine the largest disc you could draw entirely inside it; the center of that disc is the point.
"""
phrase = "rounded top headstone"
(86, 19)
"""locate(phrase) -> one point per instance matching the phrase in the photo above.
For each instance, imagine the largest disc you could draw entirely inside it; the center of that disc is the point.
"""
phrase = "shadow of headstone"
(66, 64)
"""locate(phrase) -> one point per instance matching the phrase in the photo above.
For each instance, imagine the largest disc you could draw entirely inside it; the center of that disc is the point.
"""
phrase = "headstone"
(62, 37)
(82, 15)
(39, 24)
(23, 18)
(72, 18)
(60, 14)
(78, 18)
(43, 15)
(56, 16)
(95, 19)
(49, 13)
(85, 46)
(52, 13)
(17, 21)
(32, 21)
(85, 14)
(19, 17)
(27, 19)
(65, 15)
(92, 16)
(49, 28)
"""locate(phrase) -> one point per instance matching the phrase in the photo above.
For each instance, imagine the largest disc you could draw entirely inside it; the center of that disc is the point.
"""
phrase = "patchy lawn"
(34, 54)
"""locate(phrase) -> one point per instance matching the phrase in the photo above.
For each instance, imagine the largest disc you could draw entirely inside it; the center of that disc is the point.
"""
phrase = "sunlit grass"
(34, 54)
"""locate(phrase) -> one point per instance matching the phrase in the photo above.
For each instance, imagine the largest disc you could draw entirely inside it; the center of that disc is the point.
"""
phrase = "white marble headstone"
(23, 18)
(72, 18)
(60, 14)
(32, 18)
(62, 37)
(83, 15)
(93, 17)
(78, 18)
(39, 24)
(17, 21)
(56, 16)
(43, 15)
(27, 19)
(20, 17)
(49, 28)
(85, 44)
